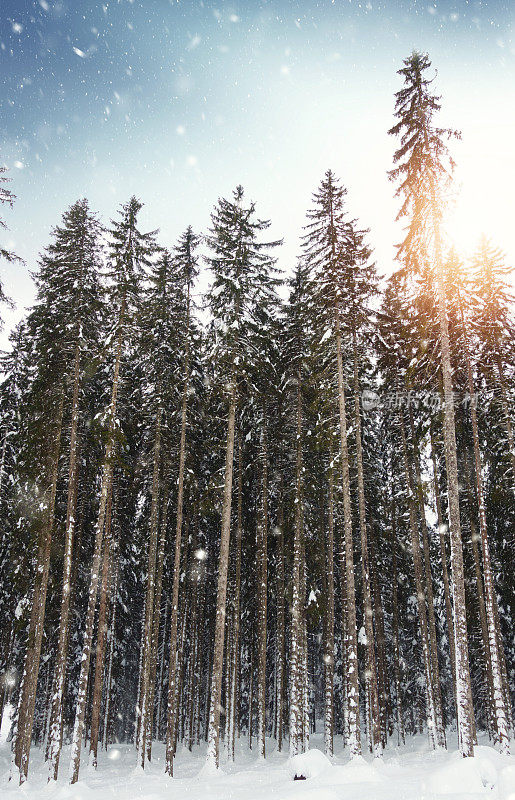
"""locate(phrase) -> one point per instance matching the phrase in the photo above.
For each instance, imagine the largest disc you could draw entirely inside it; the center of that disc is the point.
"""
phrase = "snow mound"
(507, 783)
(356, 771)
(308, 764)
(461, 776)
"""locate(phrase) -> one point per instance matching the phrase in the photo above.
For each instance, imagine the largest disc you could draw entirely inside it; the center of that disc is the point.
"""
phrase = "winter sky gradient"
(178, 101)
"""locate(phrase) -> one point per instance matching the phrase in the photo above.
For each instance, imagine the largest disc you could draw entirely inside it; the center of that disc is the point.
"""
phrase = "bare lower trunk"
(262, 593)
(80, 709)
(329, 626)
(395, 631)
(419, 587)
(56, 713)
(157, 610)
(223, 563)
(431, 618)
(147, 695)
(280, 622)
(108, 702)
(463, 685)
(27, 699)
(235, 654)
(442, 528)
(171, 706)
(351, 643)
(371, 672)
(101, 638)
(494, 653)
(297, 598)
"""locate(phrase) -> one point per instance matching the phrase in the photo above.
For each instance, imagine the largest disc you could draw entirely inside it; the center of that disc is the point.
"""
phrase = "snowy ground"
(409, 773)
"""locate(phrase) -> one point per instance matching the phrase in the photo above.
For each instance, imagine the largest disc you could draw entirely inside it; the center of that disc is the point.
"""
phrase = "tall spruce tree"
(422, 166)
(243, 282)
(131, 254)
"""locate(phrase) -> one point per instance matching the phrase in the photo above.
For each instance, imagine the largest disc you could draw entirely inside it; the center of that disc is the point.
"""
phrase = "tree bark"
(101, 637)
(280, 622)
(262, 592)
(147, 695)
(371, 672)
(80, 710)
(351, 644)
(56, 713)
(235, 654)
(463, 685)
(213, 744)
(27, 699)
(329, 625)
(297, 600)
(433, 641)
(419, 588)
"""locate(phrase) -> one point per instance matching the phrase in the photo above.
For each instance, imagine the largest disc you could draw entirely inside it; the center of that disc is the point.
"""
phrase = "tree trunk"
(433, 641)
(395, 632)
(279, 710)
(80, 709)
(235, 654)
(297, 600)
(329, 626)
(442, 528)
(494, 661)
(56, 713)
(171, 709)
(463, 685)
(419, 587)
(147, 696)
(101, 636)
(27, 699)
(221, 596)
(351, 643)
(262, 592)
(112, 633)
(371, 673)
(157, 608)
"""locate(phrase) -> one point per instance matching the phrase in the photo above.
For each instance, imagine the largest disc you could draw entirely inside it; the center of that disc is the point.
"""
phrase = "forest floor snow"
(411, 772)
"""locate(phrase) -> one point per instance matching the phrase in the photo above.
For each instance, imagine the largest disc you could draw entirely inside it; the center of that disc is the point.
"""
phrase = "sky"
(178, 101)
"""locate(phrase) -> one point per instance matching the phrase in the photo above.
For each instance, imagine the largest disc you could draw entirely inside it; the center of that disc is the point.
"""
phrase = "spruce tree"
(243, 282)
(422, 166)
(131, 253)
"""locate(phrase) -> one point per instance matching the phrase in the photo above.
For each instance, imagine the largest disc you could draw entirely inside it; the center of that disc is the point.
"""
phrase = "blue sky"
(178, 102)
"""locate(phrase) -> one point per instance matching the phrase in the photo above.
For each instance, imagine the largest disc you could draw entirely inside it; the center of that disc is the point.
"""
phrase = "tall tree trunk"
(380, 637)
(442, 528)
(235, 655)
(262, 591)
(56, 713)
(419, 588)
(280, 637)
(171, 709)
(371, 673)
(80, 709)
(329, 625)
(27, 699)
(297, 599)
(112, 634)
(501, 712)
(213, 744)
(351, 644)
(101, 636)
(395, 630)
(463, 685)
(157, 608)
(431, 618)
(147, 696)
